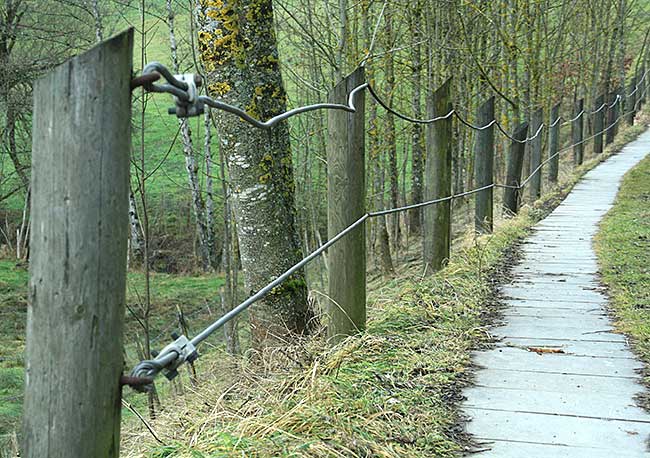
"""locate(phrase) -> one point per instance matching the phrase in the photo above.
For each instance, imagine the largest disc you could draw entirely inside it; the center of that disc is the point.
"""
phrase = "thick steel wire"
(568, 147)
(150, 368)
(180, 90)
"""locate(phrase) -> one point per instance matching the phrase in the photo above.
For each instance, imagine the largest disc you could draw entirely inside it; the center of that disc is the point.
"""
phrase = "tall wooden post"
(346, 197)
(599, 124)
(80, 183)
(611, 117)
(536, 155)
(437, 180)
(515, 165)
(643, 84)
(484, 169)
(554, 144)
(619, 109)
(577, 132)
(631, 102)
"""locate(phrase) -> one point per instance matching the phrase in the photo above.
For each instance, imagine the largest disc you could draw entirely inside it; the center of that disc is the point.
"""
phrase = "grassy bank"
(386, 393)
(623, 247)
(195, 294)
(390, 392)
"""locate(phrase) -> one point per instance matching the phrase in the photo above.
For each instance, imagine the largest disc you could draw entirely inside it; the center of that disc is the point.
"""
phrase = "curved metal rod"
(404, 117)
(472, 126)
(527, 139)
(281, 117)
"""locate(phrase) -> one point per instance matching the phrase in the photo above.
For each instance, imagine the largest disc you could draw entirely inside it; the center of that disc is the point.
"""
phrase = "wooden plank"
(577, 132)
(554, 145)
(536, 155)
(612, 115)
(513, 173)
(437, 180)
(346, 197)
(630, 105)
(484, 169)
(599, 124)
(80, 183)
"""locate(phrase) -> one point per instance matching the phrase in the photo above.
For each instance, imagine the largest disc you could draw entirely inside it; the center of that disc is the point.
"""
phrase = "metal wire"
(566, 148)
(150, 368)
(286, 115)
(526, 140)
(404, 117)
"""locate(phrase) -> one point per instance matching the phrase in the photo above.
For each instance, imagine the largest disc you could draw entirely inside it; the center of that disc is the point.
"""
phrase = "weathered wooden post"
(346, 197)
(611, 118)
(577, 132)
(554, 144)
(536, 155)
(619, 110)
(631, 102)
(599, 124)
(484, 169)
(642, 81)
(80, 183)
(437, 180)
(515, 165)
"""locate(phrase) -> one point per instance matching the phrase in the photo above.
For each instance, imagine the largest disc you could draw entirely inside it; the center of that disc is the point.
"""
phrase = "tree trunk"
(417, 141)
(198, 205)
(239, 50)
(391, 141)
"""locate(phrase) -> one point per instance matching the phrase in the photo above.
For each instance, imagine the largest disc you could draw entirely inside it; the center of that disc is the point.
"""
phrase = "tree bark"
(239, 50)
(417, 141)
(191, 166)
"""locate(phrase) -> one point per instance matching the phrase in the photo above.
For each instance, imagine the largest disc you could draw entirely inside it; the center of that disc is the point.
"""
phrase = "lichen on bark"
(239, 52)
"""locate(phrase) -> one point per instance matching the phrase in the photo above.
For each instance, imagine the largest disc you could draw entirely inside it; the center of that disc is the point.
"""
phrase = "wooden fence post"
(631, 102)
(599, 124)
(515, 165)
(484, 169)
(577, 132)
(619, 109)
(554, 144)
(437, 180)
(346, 197)
(536, 155)
(611, 117)
(643, 84)
(80, 184)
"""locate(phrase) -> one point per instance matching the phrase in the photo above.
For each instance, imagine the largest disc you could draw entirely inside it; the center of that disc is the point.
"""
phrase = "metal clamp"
(193, 106)
(184, 350)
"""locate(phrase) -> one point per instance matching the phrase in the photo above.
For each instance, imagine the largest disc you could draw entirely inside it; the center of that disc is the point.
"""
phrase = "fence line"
(188, 103)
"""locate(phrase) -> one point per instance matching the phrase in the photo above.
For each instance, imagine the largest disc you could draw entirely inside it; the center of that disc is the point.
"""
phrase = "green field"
(198, 296)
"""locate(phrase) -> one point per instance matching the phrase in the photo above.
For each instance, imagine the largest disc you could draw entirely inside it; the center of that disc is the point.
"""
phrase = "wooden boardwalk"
(561, 382)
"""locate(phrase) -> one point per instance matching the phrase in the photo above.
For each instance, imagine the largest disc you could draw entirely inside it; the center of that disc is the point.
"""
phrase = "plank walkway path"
(579, 403)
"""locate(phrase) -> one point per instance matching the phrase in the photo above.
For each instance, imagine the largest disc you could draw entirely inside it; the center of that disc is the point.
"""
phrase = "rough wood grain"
(631, 102)
(437, 180)
(484, 169)
(346, 203)
(612, 114)
(554, 144)
(513, 173)
(80, 170)
(536, 155)
(599, 124)
(577, 132)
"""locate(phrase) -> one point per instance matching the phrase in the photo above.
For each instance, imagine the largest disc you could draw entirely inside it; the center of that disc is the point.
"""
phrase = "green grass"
(623, 247)
(197, 295)
(388, 392)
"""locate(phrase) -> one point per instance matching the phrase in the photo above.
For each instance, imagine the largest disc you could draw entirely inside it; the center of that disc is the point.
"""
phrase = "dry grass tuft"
(390, 392)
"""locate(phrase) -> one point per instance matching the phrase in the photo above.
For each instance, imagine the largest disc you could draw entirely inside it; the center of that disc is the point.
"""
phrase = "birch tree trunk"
(238, 48)
(206, 240)
(417, 141)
